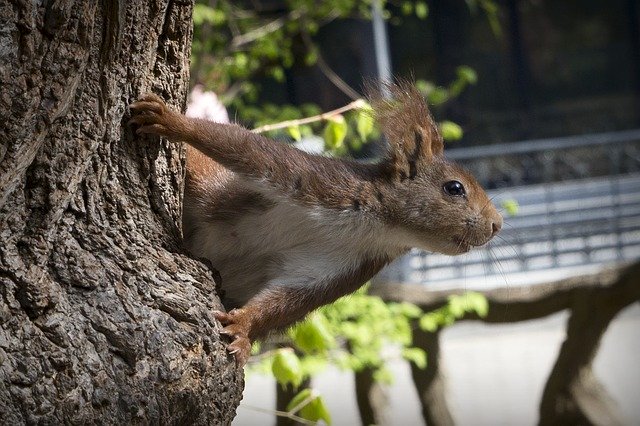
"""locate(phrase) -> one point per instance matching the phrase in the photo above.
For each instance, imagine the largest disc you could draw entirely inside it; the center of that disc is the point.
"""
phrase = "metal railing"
(578, 207)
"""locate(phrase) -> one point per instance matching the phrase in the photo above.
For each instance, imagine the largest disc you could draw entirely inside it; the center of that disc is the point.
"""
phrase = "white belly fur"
(287, 245)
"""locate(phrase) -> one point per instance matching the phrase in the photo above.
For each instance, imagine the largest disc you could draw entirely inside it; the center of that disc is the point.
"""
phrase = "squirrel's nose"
(496, 226)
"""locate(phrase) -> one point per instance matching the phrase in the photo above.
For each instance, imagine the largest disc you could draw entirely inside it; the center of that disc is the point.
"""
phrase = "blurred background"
(540, 99)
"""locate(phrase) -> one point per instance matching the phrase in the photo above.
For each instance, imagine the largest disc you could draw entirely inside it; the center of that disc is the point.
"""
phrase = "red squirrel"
(290, 231)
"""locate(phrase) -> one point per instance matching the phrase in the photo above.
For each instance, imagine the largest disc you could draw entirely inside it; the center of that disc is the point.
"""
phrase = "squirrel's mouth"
(462, 245)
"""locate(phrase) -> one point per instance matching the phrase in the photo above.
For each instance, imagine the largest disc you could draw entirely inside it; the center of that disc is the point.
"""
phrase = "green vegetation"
(352, 334)
(236, 48)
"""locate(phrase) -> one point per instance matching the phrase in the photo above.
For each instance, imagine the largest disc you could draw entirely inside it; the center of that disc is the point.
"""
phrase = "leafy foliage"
(236, 47)
(355, 333)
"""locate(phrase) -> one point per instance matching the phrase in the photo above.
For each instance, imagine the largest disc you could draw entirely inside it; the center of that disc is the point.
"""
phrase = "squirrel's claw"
(147, 106)
(153, 116)
(235, 328)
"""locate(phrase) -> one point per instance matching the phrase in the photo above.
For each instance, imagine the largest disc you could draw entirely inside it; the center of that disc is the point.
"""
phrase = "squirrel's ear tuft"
(404, 118)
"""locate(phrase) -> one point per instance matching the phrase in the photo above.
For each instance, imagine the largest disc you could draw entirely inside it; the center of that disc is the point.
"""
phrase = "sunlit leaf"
(383, 375)
(457, 306)
(429, 323)
(511, 206)
(438, 96)
(294, 132)
(334, 132)
(299, 399)
(409, 310)
(314, 409)
(286, 367)
(424, 87)
(364, 123)
(422, 10)
(312, 335)
(451, 131)
(477, 302)
(416, 356)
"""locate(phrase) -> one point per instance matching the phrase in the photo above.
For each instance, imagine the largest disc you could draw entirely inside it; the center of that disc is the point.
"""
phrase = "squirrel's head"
(437, 205)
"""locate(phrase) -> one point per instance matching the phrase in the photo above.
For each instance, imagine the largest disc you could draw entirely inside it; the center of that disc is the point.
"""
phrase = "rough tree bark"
(103, 319)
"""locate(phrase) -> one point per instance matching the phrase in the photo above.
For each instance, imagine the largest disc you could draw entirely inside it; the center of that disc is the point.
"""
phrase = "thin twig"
(313, 395)
(268, 28)
(279, 413)
(259, 357)
(324, 116)
(328, 72)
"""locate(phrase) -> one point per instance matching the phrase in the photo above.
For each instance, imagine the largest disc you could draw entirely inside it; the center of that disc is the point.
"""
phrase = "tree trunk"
(430, 383)
(372, 399)
(284, 395)
(103, 319)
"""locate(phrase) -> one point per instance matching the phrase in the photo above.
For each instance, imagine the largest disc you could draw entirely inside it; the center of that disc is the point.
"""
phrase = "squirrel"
(290, 231)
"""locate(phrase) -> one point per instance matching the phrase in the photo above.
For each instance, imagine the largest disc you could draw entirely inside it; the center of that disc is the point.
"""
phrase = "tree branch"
(328, 72)
(324, 116)
(248, 37)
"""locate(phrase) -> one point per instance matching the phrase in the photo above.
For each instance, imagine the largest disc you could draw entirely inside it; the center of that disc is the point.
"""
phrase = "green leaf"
(277, 73)
(334, 132)
(451, 131)
(203, 13)
(408, 310)
(438, 96)
(425, 87)
(312, 335)
(476, 302)
(294, 132)
(314, 410)
(406, 7)
(286, 367)
(364, 123)
(298, 399)
(416, 356)
(383, 375)
(306, 130)
(311, 57)
(457, 306)
(467, 74)
(511, 206)
(429, 322)
(422, 10)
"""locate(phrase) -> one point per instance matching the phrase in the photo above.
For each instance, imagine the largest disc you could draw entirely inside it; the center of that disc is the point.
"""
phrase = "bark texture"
(103, 319)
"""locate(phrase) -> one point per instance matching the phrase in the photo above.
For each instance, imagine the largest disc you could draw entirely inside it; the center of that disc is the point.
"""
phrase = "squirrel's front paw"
(153, 116)
(236, 325)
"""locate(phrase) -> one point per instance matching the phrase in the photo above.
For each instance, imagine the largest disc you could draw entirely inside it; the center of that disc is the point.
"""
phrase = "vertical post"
(381, 45)
(634, 31)
(520, 61)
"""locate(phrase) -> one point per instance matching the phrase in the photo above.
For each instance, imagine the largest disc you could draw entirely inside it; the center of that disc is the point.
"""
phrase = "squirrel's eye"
(454, 188)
